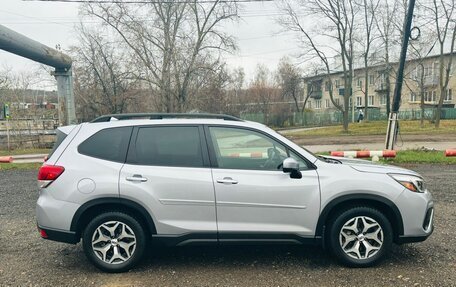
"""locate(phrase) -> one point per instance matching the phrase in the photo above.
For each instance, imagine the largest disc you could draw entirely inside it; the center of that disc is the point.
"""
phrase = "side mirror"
(291, 166)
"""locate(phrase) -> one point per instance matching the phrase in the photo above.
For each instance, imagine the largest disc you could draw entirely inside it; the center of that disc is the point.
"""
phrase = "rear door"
(253, 194)
(168, 172)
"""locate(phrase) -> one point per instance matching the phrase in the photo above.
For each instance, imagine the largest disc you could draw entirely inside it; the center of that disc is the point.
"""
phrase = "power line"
(148, 2)
(42, 21)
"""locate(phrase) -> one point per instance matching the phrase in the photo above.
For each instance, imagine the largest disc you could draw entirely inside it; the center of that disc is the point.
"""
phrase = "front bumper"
(417, 210)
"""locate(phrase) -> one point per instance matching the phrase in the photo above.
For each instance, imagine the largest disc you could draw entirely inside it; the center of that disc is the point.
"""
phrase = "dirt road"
(27, 260)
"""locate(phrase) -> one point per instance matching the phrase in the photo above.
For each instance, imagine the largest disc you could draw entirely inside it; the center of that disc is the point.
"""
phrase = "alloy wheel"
(361, 237)
(113, 242)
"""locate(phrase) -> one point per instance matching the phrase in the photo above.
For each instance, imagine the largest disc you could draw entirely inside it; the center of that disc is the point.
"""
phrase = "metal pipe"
(21, 45)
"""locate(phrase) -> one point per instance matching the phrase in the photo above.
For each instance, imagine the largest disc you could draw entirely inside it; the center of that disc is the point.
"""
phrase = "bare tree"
(169, 40)
(443, 13)
(336, 24)
(386, 22)
(369, 8)
(419, 50)
(289, 78)
(103, 81)
(262, 90)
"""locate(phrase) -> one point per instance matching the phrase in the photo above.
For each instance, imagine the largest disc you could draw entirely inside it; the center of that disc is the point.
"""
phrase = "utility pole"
(393, 123)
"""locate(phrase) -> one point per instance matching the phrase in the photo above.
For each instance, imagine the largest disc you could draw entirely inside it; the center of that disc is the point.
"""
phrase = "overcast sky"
(258, 34)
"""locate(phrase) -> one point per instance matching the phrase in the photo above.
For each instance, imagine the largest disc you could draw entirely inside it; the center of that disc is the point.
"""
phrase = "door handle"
(136, 178)
(227, 180)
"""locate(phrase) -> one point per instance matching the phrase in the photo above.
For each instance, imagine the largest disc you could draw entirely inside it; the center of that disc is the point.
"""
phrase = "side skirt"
(234, 238)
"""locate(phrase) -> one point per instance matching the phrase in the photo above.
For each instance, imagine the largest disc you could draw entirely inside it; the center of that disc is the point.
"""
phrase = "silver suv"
(124, 181)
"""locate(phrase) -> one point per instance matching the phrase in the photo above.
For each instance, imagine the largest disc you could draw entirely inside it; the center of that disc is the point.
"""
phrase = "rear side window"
(169, 146)
(108, 144)
(60, 137)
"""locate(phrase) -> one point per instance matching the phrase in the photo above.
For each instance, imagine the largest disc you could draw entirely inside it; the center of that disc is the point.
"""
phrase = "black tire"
(134, 228)
(348, 216)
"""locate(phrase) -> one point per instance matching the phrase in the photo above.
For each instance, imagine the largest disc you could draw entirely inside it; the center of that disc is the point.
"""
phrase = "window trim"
(131, 154)
(124, 151)
(213, 157)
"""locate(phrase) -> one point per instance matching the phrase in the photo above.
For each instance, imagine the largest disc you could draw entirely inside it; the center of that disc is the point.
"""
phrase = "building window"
(371, 79)
(448, 95)
(337, 83)
(327, 103)
(430, 96)
(327, 86)
(370, 100)
(417, 72)
(383, 100)
(318, 104)
(309, 105)
(435, 70)
(337, 101)
(359, 101)
(359, 83)
(412, 97)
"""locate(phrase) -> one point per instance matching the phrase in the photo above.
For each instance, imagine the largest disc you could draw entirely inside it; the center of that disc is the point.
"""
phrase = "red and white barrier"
(450, 152)
(364, 153)
(6, 159)
(26, 158)
(249, 154)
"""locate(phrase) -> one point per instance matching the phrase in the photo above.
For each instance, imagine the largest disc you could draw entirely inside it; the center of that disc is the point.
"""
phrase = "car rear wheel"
(114, 241)
(360, 236)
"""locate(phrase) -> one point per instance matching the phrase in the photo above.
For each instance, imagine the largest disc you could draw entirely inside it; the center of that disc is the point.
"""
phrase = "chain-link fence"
(311, 118)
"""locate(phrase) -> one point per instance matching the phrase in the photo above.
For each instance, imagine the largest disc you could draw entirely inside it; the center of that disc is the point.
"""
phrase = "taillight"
(48, 173)
(43, 233)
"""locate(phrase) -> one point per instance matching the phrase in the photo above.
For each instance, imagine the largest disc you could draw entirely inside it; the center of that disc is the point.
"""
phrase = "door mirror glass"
(291, 166)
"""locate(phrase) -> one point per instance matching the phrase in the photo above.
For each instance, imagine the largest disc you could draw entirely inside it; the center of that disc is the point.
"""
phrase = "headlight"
(411, 182)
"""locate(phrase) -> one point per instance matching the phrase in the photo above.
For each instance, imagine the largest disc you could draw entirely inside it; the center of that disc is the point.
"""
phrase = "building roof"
(380, 65)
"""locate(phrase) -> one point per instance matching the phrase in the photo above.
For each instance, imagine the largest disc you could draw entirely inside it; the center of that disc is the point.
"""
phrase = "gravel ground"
(27, 260)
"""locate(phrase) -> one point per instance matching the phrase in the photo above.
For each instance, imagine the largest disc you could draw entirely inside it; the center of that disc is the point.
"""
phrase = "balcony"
(316, 94)
(431, 81)
(381, 87)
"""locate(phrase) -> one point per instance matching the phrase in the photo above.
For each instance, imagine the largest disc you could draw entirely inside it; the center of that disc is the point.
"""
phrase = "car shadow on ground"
(246, 256)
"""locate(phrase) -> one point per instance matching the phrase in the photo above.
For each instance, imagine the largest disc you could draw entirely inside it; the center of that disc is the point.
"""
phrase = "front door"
(253, 195)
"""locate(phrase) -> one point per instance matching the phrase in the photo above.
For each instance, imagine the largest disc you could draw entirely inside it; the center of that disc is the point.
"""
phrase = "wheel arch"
(97, 206)
(384, 205)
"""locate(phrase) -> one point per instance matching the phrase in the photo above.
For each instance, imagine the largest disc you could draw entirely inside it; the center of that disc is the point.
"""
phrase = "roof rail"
(160, 116)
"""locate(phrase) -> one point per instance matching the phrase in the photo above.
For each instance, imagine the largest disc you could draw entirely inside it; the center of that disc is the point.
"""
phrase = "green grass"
(9, 166)
(379, 128)
(21, 166)
(4, 152)
(418, 156)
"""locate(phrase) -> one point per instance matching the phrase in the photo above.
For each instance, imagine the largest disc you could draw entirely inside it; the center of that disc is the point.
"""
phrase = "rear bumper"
(59, 235)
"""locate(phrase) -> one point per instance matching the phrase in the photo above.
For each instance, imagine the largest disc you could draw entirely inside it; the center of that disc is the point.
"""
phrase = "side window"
(61, 136)
(244, 149)
(108, 144)
(302, 163)
(169, 146)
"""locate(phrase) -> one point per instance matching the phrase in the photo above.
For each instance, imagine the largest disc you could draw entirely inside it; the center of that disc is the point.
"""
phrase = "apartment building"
(421, 76)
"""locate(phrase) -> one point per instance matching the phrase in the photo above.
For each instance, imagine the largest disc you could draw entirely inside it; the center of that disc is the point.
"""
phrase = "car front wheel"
(360, 236)
(114, 241)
